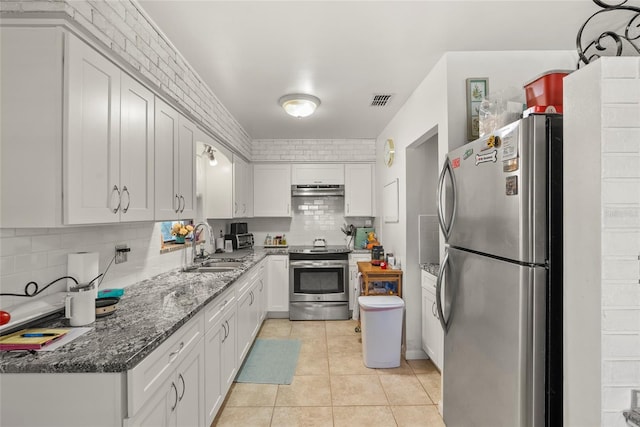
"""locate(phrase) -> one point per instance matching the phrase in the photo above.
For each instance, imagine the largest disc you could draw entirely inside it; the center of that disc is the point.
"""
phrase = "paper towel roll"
(82, 266)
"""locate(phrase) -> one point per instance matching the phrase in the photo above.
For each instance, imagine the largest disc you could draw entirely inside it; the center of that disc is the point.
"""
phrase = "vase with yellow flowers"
(181, 231)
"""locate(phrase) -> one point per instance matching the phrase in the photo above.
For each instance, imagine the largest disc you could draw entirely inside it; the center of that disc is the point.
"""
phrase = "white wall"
(439, 103)
(602, 241)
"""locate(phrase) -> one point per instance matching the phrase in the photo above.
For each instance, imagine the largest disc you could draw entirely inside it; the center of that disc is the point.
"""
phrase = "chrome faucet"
(194, 241)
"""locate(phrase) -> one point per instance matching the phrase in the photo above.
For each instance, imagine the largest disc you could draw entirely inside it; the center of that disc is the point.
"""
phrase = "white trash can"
(381, 319)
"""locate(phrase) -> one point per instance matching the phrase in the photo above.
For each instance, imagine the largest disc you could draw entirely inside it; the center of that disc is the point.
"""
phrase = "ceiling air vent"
(380, 100)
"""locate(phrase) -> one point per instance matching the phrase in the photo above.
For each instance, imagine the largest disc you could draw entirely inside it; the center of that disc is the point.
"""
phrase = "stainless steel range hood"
(317, 190)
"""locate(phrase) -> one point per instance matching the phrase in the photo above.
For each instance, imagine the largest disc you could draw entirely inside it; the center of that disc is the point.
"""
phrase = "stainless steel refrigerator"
(499, 291)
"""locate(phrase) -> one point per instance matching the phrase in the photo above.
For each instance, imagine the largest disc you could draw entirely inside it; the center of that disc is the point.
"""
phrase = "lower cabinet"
(432, 334)
(278, 285)
(248, 309)
(180, 400)
(354, 258)
(220, 357)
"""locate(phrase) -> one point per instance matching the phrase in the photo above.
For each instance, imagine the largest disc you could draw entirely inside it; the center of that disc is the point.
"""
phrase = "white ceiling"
(250, 53)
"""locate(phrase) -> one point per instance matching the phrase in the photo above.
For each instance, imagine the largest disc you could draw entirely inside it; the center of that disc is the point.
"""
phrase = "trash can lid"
(380, 302)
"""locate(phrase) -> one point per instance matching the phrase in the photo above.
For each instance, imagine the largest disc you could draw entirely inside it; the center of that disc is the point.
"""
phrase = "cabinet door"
(239, 184)
(190, 383)
(272, 190)
(278, 283)
(185, 168)
(246, 322)
(431, 333)
(166, 134)
(358, 190)
(317, 173)
(228, 358)
(213, 369)
(91, 160)
(157, 411)
(136, 151)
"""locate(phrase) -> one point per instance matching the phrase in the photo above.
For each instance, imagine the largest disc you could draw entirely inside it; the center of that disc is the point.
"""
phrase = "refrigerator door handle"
(446, 228)
(444, 323)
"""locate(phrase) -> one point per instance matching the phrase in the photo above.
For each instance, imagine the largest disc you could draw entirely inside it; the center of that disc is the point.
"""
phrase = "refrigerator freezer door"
(494, 347)
(500, 193)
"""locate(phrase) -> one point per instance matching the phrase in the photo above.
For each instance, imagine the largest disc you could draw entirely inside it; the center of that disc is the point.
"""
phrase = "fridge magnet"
(467, 154)
(485, 158)
(477, 90)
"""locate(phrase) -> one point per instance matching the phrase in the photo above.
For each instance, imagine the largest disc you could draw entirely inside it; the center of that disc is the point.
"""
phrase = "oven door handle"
(321, 264)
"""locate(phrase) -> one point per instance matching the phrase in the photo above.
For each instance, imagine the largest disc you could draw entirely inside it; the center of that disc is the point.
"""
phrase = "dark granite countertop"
(431, 268)
(145, 317)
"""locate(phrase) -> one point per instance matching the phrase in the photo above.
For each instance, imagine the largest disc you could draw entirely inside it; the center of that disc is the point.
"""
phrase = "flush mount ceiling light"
(299, 105)
(208, 151)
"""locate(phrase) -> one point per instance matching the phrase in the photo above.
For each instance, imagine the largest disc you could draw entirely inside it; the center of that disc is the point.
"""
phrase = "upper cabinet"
(358, 190)
(272, 190)
(85, 126)
(217, 193)
(317, 174)
(175, 164)
(242, 188)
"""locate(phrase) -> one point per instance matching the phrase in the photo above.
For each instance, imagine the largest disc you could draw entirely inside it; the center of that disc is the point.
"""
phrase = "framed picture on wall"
(477, 90)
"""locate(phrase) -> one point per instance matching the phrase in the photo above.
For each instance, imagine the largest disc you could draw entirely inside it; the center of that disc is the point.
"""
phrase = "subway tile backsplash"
(40, 255)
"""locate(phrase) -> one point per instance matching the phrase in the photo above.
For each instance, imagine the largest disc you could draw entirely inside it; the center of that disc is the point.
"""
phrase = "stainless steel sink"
(215, 267)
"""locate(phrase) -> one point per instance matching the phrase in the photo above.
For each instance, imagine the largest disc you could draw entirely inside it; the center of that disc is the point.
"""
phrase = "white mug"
(80, 305)
(228, 246)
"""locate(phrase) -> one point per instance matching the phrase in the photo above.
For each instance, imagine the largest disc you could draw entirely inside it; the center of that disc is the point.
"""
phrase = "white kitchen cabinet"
(220, 351)
(175, 164)
(317, 174)
(180, 400)
(432, 334)
(272, 190)
(278, 285)
(354, 259)
(167, 387)
(242, 188)
(358, 190)
(217, 194)
(85, 126)
(248, 316)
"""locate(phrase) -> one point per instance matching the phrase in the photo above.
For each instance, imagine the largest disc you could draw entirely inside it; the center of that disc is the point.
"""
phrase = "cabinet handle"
(115, 188)
(184, 387)
(244, 208)
(175, 390)
(261, 285)
(348, 208)
(125, 189)
(251, 295)
(173, 353)
(224, 327)
(178, 199)
(228, 329)
(184, 203)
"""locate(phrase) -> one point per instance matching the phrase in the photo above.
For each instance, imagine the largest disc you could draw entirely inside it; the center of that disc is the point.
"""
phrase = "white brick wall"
(314, 150)
(121, 27)
(620, 235)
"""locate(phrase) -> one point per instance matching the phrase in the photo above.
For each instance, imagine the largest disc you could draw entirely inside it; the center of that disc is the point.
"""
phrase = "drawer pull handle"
(224, 327)
(175, 403)
(184, 387)
(174, 353)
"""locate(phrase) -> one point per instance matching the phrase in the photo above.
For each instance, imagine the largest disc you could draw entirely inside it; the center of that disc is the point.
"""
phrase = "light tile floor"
(332, 387)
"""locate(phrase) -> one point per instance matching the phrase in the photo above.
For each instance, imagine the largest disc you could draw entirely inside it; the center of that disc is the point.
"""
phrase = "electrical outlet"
(121, 253)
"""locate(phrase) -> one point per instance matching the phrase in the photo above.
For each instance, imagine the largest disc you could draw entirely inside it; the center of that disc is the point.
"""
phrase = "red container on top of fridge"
(545, 89)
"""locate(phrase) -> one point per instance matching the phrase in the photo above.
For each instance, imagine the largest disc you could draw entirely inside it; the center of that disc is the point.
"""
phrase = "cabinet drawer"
(150, 374)
(215, 309)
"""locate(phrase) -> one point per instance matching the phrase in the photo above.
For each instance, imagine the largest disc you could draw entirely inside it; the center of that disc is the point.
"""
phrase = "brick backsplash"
(126, 32)
(620, 234)
(314, 150)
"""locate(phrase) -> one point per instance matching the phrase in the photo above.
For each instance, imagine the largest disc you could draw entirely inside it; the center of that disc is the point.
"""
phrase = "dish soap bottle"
(283, 242)
(267, 240)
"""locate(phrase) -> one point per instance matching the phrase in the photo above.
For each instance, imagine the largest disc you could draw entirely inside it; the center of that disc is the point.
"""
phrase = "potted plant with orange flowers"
(181, 231)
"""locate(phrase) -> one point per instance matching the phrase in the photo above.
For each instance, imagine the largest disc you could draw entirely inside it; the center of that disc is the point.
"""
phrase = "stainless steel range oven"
(319, 283)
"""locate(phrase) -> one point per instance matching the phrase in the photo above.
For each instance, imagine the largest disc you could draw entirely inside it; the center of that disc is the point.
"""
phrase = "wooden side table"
(376, 281)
